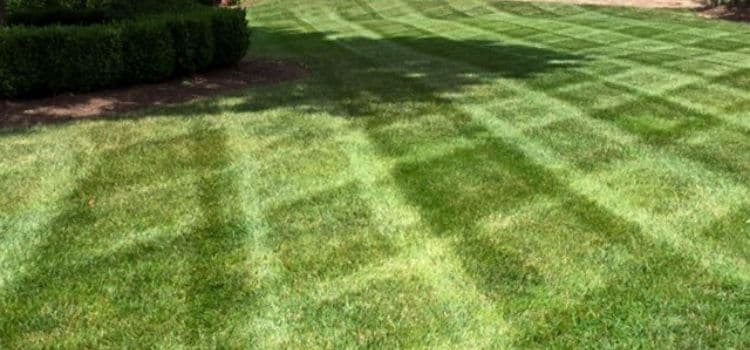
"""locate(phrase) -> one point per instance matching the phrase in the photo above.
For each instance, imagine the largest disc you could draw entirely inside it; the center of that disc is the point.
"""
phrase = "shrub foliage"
(63, 16)
(119, 5)
(52, 59)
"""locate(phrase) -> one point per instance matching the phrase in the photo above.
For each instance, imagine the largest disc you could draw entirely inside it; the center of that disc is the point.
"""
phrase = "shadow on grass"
(327, 234)
(348, 66)
(507, 215)
(119, 265)
(682, 300)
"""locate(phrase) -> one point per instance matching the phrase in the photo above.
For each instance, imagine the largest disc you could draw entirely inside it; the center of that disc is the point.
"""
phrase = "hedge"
(47, 60)
(121, 6)
(63, 16)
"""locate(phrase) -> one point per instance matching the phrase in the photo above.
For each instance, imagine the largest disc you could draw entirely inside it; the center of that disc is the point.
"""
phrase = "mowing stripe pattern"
(455, 174)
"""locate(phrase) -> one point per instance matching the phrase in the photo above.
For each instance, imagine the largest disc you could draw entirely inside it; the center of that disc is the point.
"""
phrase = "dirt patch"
(653, 4)
(740, 14)
(249, 73)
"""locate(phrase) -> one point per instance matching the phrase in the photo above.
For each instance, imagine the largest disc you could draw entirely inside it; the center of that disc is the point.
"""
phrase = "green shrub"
(120, 5)
(23, 63)
(231, 33)
(147, 57)
(89, 59)
(193, 43)
(53, 59)
(63, 16)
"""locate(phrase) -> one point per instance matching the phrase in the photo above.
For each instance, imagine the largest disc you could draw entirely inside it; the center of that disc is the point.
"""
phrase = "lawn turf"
(455, 174)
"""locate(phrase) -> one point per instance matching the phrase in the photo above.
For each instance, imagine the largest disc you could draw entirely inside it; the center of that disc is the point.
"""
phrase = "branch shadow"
(345, 70)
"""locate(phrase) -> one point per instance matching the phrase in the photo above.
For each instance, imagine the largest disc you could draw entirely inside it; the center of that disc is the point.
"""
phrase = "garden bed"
(67, 107)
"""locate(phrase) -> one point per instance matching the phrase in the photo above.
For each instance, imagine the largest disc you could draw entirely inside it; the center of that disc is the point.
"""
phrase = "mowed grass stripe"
(720, 259)
(643, 91)
(741, 269)
(427, 257)
(471, 251)
(642, 95)
(347, 283)
(459, 243)
(416, 191)
(555, 23)
(30, 202)
(658, 228)
(675, 94)
(413, 255)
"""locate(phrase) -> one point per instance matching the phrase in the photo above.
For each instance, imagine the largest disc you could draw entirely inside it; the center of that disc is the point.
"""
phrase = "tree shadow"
(367, 73)
(346, 70)
(326, 235)
(112, 102)
(506, 215)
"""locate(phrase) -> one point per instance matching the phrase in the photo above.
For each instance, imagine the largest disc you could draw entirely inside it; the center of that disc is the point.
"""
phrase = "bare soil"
(249, 73)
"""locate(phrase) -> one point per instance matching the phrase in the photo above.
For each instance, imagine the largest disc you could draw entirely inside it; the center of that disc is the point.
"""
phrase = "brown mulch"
(739, 14)
(249, 73)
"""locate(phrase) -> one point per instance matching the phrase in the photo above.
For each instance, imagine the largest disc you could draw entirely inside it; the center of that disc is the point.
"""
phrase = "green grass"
(455, 174)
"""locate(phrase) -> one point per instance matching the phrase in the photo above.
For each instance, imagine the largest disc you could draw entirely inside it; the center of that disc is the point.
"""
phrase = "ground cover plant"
(455, 174)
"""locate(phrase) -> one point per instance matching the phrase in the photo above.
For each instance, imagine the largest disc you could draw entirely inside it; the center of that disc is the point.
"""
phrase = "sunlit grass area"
(455, 174)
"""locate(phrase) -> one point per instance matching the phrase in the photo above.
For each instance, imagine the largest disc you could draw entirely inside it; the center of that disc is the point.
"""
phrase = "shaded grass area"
(456, 174)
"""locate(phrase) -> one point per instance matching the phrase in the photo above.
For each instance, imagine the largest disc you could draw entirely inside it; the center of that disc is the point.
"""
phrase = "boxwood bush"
(46, 60)
(64, 16)
(127, 6)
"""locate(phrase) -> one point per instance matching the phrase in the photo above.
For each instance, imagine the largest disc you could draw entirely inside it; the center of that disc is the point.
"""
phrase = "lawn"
(455, 174)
